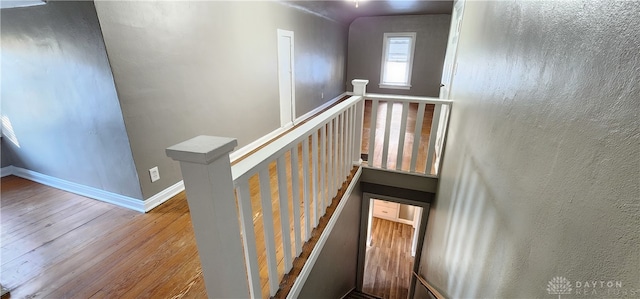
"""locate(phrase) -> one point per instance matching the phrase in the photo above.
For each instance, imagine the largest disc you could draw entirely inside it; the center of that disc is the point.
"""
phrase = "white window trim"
(387, 35)
(395, 86)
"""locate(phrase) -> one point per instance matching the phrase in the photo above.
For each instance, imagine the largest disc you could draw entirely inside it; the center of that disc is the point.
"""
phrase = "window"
(397, 59)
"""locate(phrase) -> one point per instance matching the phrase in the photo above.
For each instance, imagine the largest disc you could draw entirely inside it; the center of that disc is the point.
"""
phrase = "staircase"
(315, 159)
(359, 295)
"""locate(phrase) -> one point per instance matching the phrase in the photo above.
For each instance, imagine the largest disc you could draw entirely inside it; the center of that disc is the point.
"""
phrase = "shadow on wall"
(8, 132)
(474, 235)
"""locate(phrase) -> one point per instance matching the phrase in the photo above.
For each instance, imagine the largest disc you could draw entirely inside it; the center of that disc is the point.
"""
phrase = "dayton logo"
(559, 286)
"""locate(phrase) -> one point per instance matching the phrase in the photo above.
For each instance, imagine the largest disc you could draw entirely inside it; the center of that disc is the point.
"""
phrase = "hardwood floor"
(388, 264)
(57, 244)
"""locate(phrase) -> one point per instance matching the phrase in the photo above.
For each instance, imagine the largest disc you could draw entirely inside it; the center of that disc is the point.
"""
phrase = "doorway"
(286, 78)
(392, 233)
(389, 257)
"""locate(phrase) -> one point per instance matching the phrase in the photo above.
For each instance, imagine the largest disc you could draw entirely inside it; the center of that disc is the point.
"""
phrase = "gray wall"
(541, 170)
(58, 95)
(334, 273)
(188, 68)
(366, 45)
(5, 156)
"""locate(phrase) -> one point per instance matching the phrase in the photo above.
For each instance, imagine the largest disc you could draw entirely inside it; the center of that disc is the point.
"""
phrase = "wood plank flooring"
(388, 264)
(57, 244)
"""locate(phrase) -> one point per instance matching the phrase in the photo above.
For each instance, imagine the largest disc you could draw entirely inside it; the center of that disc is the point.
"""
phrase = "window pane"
(397, 58)
(398, 49)
(395, 72)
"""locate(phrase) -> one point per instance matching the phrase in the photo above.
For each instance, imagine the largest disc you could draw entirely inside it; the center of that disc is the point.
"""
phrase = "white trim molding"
(5, 171)
(163, 196)
(387, 37)
(91, 192)
(286, 77)
(392, 86)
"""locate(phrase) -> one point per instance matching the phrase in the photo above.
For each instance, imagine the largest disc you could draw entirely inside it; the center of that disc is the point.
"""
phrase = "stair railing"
(325, 148)
(235, 215)
(421, 141)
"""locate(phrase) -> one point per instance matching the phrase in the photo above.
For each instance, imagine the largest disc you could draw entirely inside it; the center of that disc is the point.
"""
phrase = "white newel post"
(359, 89)
(206, 169)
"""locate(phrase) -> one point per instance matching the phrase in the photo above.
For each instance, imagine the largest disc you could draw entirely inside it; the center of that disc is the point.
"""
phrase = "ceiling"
(345, 11)
(20, 3)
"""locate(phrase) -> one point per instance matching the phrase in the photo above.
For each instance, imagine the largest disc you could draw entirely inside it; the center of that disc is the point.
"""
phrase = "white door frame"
(449, 67)
(365, 232)
(448, 73)
(286, 84)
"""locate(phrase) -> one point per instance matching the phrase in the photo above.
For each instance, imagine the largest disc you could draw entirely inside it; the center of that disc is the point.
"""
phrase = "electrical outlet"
(154, 173)
(322, 95)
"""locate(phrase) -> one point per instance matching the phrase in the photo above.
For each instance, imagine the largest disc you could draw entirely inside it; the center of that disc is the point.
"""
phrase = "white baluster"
(349, 141)
(295, 188)
(340, 144)
(323, 169)
(269, 235)
(403, 131)
(330, 157)
(357, 135)
(416, 136)
(305, 187)
(347, 138)
(387, 133)
(314, 172)
(344, 146)
(249, 238)
(432, 137)
(336, 156)
(283, 198)
(372, 130)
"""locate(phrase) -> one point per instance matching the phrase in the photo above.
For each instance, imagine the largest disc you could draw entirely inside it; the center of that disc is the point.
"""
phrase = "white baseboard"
(163, 196)
(315, 253)
(91, 192)
(5, 171)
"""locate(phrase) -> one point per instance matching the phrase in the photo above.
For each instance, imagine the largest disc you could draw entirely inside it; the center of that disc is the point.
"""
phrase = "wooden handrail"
(429, 287)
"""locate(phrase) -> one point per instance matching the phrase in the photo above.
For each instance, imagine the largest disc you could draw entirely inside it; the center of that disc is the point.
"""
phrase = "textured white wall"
(541, 173)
